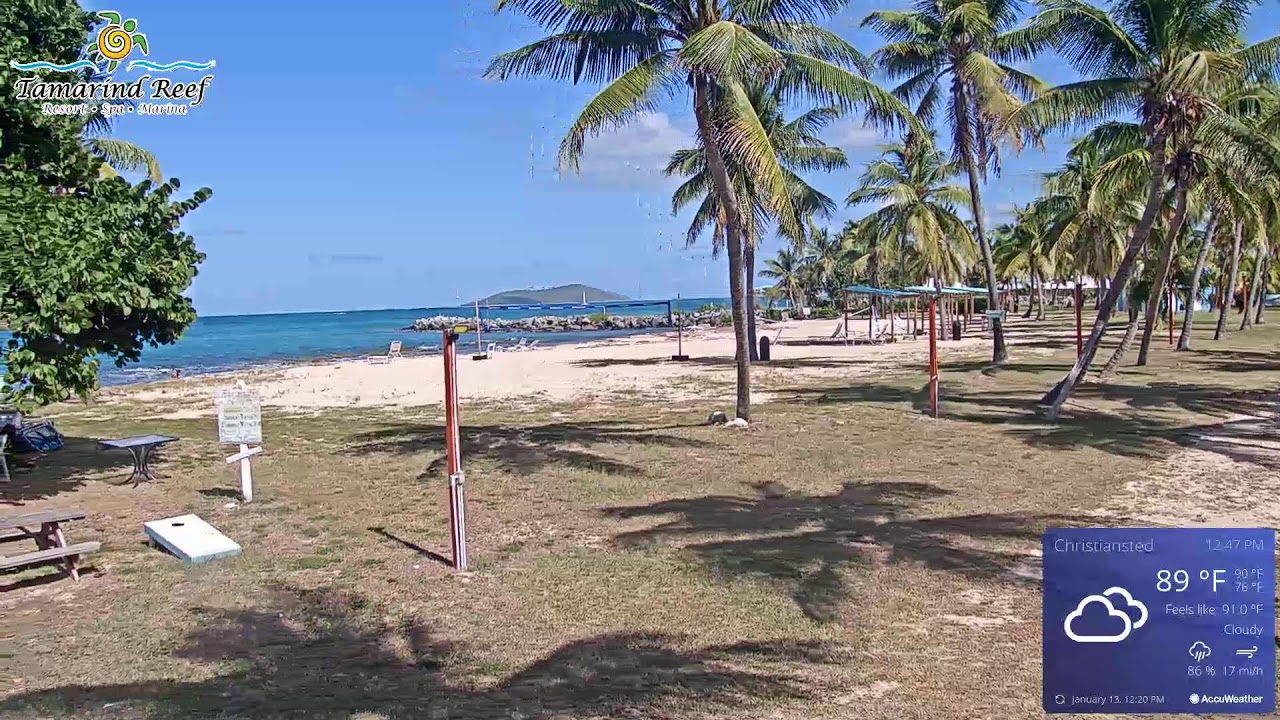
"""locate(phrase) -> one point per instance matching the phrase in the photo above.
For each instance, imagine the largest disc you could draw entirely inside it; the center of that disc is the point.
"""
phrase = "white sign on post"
(239, 416)
(240, 422)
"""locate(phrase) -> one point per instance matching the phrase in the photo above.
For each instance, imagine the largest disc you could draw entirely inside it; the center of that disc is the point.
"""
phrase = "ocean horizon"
(225, 343)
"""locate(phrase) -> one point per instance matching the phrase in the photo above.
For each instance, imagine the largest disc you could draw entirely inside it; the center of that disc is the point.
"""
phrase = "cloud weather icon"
(1127, 622)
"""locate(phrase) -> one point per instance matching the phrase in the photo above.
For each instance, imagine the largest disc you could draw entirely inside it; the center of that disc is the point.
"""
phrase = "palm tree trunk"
(999, 353)
(1162, 271)
(1155, 193)
(1262, 288)
(749, 268)
(1013, 290)
(1193, 292)
(1031, 293)
(1123, 349)
(1229, 287)
(1251, 291)
(733, 235)
(1040, 297)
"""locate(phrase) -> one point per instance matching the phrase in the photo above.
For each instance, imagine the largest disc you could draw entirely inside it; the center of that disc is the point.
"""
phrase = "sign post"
(679, 356)
(240, 423)
(453, 450)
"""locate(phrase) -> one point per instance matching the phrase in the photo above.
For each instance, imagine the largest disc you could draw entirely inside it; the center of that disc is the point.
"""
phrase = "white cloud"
(850, 134)
(634, 155)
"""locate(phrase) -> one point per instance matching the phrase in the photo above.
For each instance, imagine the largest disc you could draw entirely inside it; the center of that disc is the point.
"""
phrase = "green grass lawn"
(843, 558)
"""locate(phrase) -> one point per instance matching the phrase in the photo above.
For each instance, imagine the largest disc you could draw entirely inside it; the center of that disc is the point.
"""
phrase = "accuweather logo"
(1198, 699)
(1126, 621)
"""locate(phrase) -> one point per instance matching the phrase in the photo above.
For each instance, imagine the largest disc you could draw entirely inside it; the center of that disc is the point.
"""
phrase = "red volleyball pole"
(453, 452)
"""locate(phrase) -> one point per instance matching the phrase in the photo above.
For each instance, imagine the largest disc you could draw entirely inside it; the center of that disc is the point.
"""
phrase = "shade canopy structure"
(889, 294)
(877, 291)
(926, 290)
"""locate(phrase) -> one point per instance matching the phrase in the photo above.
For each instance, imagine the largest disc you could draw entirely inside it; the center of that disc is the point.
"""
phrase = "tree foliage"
(91, 267)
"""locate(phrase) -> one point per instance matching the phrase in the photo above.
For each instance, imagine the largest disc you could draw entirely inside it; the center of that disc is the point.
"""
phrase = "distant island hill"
(576, 293)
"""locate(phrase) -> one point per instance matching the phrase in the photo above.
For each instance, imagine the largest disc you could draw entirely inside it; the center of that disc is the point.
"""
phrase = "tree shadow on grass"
(528, 449)
(36, 475)
(1152, 419)
(1237, 361)
(321, 654)
(807, 542)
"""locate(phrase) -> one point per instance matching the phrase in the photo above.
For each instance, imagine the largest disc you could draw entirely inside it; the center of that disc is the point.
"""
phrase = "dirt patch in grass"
(841, 558)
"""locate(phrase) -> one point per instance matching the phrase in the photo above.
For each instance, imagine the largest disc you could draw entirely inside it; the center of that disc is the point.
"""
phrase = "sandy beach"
(602, 370)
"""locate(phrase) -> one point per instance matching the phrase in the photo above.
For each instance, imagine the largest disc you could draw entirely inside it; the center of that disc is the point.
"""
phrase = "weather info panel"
(1143, 620)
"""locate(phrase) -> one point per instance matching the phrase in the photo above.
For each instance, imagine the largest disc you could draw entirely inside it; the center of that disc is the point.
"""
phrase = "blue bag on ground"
(36, 437)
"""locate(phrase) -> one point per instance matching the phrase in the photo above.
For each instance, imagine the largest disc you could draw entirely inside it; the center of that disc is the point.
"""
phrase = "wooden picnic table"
(140, 447)
(45, 528)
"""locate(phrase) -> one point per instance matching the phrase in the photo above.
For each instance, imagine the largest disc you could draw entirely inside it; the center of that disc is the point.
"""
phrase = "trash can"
(764, 349)
(955, 329)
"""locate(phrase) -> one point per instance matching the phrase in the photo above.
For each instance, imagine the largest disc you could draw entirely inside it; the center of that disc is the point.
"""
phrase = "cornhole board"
(191, 539)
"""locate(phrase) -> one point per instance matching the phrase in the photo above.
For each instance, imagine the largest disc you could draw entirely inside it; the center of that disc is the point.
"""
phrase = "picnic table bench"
(140, 447)
(46, 529)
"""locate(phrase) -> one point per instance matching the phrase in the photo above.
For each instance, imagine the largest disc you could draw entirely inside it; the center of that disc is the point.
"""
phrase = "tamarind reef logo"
(93, 95)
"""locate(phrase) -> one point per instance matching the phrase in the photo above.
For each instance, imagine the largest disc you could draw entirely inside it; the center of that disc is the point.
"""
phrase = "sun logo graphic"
(117, 39)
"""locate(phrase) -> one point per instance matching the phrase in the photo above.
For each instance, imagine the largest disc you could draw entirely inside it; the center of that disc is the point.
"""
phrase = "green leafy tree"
(713, 50)
(960, 54)
(90, 267)
(1161, 62)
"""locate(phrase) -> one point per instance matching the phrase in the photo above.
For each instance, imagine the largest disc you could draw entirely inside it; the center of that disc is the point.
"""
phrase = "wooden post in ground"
(933, 359)
(871, 319)
(844, 309)
(453, 453)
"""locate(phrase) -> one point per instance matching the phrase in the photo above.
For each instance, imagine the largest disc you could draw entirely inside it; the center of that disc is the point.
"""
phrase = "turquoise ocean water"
(231, 342)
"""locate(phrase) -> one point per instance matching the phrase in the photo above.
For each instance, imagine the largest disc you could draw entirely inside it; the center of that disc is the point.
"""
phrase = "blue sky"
(359, 161)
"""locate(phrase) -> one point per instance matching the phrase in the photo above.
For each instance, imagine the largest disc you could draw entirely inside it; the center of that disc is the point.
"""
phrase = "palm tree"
(789, 272)
(1225, 196)
(122, 156)
(918, 210)
(799, 149)
(117, 155)
(824, 257)
(1088, 199)
(1026, 249)
(1162, 62)
(1207, 151)
(714, 49)
(961, 53)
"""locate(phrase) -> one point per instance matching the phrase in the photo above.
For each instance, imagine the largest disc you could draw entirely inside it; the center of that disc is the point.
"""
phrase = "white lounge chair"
(393, 352)
(533, 345)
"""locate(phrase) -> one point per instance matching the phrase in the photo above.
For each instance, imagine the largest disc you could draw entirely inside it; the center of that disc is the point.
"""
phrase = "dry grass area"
(842, 558)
